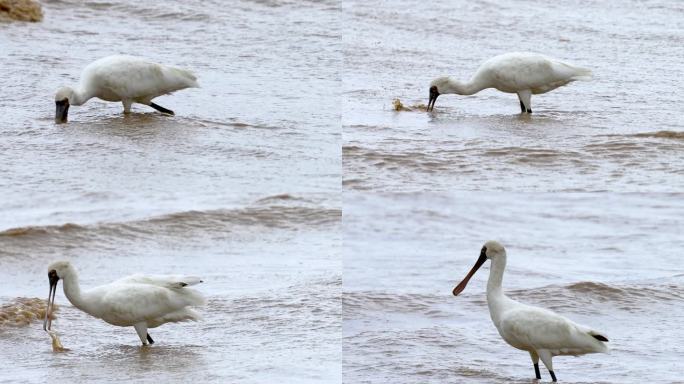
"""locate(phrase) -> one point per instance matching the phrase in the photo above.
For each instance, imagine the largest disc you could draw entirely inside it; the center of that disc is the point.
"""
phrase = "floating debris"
(56, 343)
(23, 311)
(399, 106)
(22, 10)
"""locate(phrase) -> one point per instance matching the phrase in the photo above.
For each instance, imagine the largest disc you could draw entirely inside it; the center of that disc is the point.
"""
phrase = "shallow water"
(247, 184)
(620, 132)
(613, 271)
(240, 187)
(585, 193)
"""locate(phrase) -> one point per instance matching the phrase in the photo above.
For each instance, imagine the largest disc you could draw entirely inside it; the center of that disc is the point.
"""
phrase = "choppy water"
(618, 270)
(241, 187)
(585, 193)
(620, 132)
(329, 228)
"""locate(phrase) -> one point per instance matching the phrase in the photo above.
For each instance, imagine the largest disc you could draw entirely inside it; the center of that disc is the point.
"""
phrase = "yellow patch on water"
(399, 106)
(23, 10)
(23, 311)
(56, 343)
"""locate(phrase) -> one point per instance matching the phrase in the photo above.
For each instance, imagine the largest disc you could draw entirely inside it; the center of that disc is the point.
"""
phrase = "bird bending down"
(523, 73)
(127, 79)
(540, 332)
(135, 301)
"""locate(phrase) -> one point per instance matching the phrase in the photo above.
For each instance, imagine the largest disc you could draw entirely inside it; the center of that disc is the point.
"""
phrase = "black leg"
(149, 340)
(553, 376)
(522, 106)
(529, 111)
(161, 109)
(536, 371)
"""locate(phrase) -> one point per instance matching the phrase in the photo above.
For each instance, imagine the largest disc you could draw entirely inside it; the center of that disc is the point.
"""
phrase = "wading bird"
(540, 332)
(523, 73)
(127, 79)
(135, 301)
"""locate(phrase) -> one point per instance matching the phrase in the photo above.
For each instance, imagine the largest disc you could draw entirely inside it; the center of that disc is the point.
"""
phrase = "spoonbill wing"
(537, 328)
(539, 73)
(130, 303)
(136, 78)
(167, 281)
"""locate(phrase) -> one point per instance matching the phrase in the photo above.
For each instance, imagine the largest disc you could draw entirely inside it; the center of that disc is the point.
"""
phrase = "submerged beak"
(461, 286)
(47, 323)
(434, 93)
(61, 111)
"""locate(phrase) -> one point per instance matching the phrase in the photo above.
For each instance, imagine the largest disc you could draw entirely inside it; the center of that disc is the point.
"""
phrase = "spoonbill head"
(139, 301)
(435, 86)
(523, 73)
(57, 270)
(540, 332)
(123, 78)
(490, 250)
(62, 98)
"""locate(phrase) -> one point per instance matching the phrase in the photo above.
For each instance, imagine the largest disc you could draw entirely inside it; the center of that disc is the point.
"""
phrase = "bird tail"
(181, 315)
(600, 340)
(583, 74)
(188, 79)
(184, 281)
(598, 336)
(193, 297)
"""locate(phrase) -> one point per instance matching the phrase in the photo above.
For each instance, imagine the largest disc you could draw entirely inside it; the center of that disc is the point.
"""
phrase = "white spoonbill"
(135, 301)
(127, 79)
(540, 332)
(523, 73)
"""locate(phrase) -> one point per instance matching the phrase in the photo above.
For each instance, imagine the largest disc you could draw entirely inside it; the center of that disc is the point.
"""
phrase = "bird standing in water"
(135, 301)
(127, 79)
(540, 332)
(523, 73)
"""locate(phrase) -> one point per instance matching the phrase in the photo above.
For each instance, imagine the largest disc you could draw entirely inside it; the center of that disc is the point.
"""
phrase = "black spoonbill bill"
(523, 73)
(540, 332)
(127, 79)
(135, 301)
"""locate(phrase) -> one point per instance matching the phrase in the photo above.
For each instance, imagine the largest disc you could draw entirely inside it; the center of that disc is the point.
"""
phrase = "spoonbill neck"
(79, 96)
(497, 301)
(73, 291)
(496, 271)
(470, 87)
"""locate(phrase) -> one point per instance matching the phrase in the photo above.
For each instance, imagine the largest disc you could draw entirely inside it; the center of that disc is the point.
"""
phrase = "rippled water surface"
(618, 270)
(585, 193)
(620, 132)
(293, 126)
(240, 187)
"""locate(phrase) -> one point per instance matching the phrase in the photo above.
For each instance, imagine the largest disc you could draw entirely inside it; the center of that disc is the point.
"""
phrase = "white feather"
(139, 301)
(523, 73)
(127, 79)
(540, 332)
